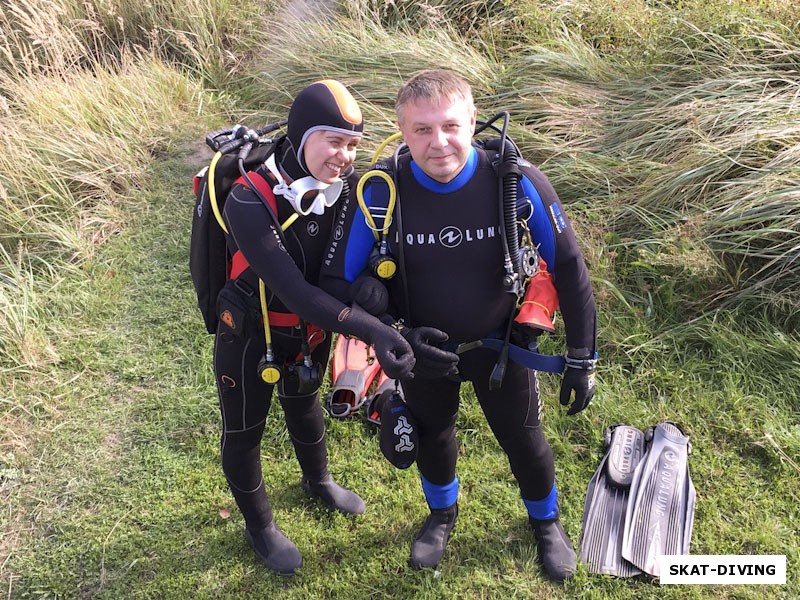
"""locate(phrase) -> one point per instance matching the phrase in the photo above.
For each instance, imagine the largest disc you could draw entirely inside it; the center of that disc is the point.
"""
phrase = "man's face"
(438, 135)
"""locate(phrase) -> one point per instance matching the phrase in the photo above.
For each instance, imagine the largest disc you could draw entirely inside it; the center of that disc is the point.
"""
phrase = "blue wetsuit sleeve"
(349, 254)
(539, 224)
(360, 241)
(551, 231)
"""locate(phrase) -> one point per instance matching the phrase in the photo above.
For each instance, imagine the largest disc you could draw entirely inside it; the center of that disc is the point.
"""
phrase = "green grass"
(669, 129)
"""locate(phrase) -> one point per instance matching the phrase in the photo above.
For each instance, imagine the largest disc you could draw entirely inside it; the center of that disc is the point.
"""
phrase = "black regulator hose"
(398, 216)
(508, 174)
(509, 167)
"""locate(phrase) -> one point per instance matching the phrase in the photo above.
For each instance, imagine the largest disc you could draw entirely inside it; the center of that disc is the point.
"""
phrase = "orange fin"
(354, 368)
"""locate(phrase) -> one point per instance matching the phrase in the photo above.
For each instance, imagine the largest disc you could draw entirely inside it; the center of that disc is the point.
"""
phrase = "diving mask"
(306, 195)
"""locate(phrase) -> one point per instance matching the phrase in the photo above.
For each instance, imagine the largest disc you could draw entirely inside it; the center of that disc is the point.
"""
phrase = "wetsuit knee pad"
(529, 443)
(304, 418)
(242, 465)
(441, 438)
(531, 461)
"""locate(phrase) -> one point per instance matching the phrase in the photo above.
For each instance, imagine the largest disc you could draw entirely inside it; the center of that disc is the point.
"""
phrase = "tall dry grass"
(688, 166)
(208, 37)
(75, 150)
(90, 92)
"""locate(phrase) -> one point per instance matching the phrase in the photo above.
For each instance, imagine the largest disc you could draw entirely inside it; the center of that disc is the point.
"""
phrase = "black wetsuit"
(453, 257)
(290, 274)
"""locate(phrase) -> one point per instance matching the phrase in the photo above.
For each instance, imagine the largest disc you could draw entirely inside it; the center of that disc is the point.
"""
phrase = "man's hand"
(370, 294)
(432, 361)
(578, 377)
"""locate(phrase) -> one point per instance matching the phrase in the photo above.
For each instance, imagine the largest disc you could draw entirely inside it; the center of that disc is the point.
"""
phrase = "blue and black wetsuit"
(453, 257)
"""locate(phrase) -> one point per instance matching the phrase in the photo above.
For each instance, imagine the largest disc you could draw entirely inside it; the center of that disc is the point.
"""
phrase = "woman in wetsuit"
(309, 172)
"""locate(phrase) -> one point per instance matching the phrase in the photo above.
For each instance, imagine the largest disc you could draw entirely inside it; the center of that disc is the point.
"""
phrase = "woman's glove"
(393, 352)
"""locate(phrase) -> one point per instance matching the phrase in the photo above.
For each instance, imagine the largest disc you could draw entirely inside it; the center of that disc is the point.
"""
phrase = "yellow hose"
(387, 221)
(262, 293)
(395, 136)
(212, 190)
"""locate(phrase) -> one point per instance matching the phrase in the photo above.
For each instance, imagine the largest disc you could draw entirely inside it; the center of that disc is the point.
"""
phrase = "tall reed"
(209, 37)
(75, 149)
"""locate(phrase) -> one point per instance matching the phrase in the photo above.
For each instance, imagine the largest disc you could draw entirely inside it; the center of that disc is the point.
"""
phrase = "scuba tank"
(237, 150)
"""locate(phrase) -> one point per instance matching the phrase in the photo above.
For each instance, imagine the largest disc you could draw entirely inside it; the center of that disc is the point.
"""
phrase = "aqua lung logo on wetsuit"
(338, 233)
(451, 236)
(537, 394)
(312, 228)
(277, 238)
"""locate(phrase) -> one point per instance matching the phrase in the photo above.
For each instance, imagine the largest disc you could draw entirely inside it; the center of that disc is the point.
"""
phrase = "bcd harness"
(206, 248)
(526, 276)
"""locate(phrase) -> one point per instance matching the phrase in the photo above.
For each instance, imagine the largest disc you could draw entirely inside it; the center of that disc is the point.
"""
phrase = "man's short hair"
(432, 85)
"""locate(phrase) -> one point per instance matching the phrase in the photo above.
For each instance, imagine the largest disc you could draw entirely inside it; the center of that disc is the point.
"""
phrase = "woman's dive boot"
(276, 551)
(555, 550)
(428, 547)
(334, 495)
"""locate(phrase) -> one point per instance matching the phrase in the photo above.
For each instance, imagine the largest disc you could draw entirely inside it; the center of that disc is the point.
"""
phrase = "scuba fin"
(353, 370)
(660, 511)
(607, 502)
(385, 384)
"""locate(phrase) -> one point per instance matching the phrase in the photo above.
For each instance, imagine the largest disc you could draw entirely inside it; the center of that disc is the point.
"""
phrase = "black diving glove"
(394, 353)
(578, 377)
(392, 350)
(370, 294)
(432, 361)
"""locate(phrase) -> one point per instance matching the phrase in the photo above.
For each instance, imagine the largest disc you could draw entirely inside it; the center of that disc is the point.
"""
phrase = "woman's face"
(328, 154)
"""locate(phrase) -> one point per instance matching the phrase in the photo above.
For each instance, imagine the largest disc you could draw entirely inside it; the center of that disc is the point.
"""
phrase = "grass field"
(670, 131)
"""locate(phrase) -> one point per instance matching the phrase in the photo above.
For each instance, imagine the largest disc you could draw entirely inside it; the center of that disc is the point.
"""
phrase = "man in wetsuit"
(450, 290)
(308, 172)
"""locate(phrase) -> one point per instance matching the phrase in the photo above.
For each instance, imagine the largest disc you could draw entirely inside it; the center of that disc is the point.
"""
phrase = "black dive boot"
(275, 550)
(428, 547)
(555, 550)
(334, 495)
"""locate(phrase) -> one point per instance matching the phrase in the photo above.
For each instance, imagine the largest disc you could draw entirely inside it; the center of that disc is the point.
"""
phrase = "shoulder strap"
(262, 186)
(238, 261)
